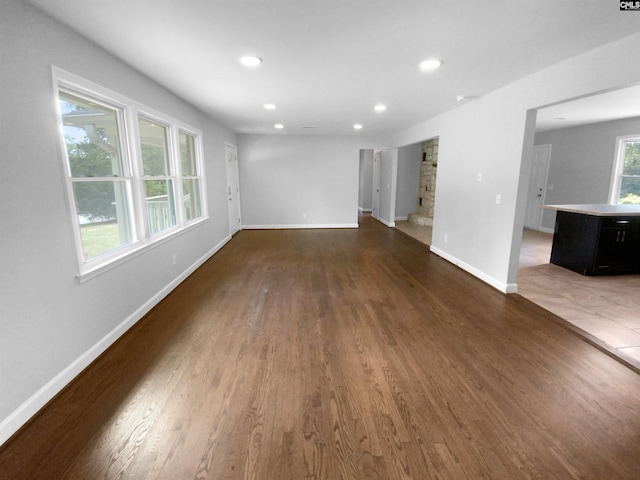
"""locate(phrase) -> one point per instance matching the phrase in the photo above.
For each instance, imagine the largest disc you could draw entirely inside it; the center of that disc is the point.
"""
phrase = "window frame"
(171, 175)
(618, 166)
(129, 137)
(199, 173)
(126, 175)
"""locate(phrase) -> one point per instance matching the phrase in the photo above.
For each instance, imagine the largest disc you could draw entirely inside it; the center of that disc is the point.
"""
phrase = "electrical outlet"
(173, 259)
(498, 199)
(479, 176)
(446, 238)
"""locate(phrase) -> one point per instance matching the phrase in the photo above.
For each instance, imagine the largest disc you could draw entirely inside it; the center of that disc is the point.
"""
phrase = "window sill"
(92, 270)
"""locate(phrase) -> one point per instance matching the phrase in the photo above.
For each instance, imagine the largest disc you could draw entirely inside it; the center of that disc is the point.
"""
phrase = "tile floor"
(606, 308)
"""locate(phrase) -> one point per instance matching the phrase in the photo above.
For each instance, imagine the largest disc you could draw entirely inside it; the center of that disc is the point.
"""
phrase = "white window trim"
(173, 174)
(142, 241)
(618, 166)
(199, 154)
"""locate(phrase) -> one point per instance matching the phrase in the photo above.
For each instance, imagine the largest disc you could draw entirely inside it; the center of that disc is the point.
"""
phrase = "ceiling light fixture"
(270, 106)
(357, 126)
(461, 98)
(279, 126)
(250, 61)
(380, 108)
(431, 64)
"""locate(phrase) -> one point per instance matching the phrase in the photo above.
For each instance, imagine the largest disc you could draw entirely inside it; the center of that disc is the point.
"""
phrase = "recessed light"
(270, 106)
(431, 64)
(357, 126)
(380, 108)
(279, 126)
(250, 61)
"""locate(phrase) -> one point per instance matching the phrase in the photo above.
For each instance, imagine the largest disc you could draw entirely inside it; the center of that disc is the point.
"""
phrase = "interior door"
(375, 201)
(537, 186)
(233, 188)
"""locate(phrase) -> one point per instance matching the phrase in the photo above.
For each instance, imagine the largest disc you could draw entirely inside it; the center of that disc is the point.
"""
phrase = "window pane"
(191, 199)
(153, 144)
(103, 215)
(188, 155)
(630, 191)
(91, 137)
(630, 177)
(631, 158)
(160, 205)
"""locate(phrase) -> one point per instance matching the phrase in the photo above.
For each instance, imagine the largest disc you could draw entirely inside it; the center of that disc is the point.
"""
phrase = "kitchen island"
(597, 239)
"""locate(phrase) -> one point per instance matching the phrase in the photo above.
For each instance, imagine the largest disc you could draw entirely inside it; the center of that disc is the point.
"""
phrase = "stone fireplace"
(427, 184)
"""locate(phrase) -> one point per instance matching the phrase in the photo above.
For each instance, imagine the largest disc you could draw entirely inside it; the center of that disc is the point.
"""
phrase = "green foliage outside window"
(153, 161)
(630, 181)
(94, 200)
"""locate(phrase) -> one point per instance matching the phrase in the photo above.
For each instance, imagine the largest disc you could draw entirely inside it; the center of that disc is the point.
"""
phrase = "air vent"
(309, 126)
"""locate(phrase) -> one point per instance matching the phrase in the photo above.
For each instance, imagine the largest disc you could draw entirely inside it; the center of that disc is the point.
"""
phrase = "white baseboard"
(299, 226)
(364, 210)
(385, 222)
(501, 286)
(31, 406)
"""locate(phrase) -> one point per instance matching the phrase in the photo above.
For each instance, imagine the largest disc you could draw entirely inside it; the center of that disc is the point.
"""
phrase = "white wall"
(388, 186)
(581, 163)
(365, 188)
(409, 160)
(300, 181)
(493, 135)
(50, 325)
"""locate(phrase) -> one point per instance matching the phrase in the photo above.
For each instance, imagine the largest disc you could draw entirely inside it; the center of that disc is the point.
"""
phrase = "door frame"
(532, 194)
(375, 190)
(233, 188)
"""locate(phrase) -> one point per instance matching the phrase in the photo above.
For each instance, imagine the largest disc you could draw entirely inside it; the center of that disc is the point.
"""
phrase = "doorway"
(537, 186)
(375, 203)
(233, 188)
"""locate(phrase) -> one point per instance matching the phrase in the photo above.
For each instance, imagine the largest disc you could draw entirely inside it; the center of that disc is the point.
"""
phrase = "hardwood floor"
(422, 233)
(603, 310)
(339, 354)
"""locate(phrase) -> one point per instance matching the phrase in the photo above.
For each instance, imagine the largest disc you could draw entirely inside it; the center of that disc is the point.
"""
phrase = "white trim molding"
(384, 222)
(500, 286)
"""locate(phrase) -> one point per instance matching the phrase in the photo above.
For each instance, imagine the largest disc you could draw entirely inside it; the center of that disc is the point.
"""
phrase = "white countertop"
(599, 209)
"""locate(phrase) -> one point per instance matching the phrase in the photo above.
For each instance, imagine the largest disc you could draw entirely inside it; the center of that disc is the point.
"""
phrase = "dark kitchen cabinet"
(596, 245)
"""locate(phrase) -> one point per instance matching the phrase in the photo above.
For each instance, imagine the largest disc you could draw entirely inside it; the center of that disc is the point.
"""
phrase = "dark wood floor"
(341, 354)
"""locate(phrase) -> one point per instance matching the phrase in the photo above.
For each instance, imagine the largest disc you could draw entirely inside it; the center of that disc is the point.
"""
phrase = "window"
(158, 180)
(190, 176)
(100, 176)
(124, 177)
(626, 178)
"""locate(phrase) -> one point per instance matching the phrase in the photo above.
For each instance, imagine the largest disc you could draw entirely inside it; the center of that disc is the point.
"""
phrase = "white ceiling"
(623, 103)
(328, 62)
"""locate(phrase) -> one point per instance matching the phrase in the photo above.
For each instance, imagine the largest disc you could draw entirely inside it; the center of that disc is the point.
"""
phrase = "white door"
(537, 186)
(375, 202)
(233, 188)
